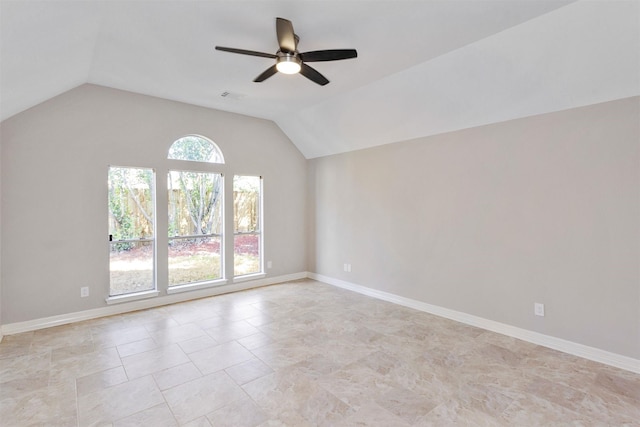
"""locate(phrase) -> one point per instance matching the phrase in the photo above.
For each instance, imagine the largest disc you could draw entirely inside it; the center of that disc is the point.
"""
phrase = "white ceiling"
(424, 67)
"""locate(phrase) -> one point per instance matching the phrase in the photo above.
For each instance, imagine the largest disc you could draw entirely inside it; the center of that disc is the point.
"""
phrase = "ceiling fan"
(289, 60)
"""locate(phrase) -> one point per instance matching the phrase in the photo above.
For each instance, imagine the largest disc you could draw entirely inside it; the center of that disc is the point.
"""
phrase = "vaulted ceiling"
(424, 67)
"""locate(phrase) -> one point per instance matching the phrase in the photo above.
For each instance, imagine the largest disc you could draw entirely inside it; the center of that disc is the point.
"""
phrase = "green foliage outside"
(246, 203)
(194, 207)
(195, 148)
(130, 205)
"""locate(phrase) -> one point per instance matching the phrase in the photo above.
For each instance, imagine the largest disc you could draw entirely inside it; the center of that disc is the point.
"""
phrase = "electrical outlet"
(538, 309)
(84, 291)
(269, 264)
(347, 268)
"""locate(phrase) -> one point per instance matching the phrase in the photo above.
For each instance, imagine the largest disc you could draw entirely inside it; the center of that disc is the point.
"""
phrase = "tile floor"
(299, 354)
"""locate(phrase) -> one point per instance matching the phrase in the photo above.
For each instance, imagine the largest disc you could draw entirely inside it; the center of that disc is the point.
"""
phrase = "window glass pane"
(195, 226)
(247, 241)
(131, 203)
(246, 254)
(131, 267)
(195, 205)
(131, 229)
(195, 148)
(194, 260)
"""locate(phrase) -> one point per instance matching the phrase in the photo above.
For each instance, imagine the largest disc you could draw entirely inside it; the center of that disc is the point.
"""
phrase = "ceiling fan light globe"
(288, 65)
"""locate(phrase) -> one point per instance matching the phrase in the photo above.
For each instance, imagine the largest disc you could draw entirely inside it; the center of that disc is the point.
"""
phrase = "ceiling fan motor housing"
(288, 63)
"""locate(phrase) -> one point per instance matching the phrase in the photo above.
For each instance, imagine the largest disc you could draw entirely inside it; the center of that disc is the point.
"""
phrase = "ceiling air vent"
(232, 95)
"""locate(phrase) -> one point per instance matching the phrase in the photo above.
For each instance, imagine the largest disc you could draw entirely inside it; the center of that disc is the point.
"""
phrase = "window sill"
(132, 297)
(248, 277)
(195, 286)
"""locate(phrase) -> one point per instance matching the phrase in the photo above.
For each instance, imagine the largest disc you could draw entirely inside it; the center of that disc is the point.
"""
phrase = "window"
(195, 148)
(195, 203)
(195, 227)
(247, 225)
(131, 230)
(195, 220)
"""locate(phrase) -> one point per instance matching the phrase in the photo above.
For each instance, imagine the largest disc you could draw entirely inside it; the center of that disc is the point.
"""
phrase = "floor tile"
(317, 366)
(607, 407)
(484, 398)
(248, 371)
(21, 386)
(157, 416)
(254, 341)
(100, 380)
(152, 361)
(372, 414)
(162, 323)
(129, 349)
(211, 322)
(220, 357)
(24, 366)
(198, 422)
(533, 411)
(119, 401)
(50, 406)
(356, 385)
(150, 318)
(243, 412)
(197, 344)
(119, 336)
(85, 364)
(455, 413)
(72, 351)
(202, 396)
(177, 334)
(60, 337)
(185, 316)
(231, 331)
(554, 392)
(281, 354)
(405, 404)
(16, 345)
(292, 391)
(260, 319)
(622, 386)
(177, 375)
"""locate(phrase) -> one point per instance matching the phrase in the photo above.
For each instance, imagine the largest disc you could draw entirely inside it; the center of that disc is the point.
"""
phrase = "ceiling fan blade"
(266, 74)
(245, 52)
(328, 55)
(286, 36)
(313, 75)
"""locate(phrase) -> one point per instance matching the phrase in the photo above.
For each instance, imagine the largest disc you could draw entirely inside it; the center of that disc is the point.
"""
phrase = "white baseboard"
(576, 349)
(110, 310)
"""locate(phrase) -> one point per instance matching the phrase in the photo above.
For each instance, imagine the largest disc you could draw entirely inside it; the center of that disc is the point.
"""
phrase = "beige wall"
(55, 159)
(489, 220)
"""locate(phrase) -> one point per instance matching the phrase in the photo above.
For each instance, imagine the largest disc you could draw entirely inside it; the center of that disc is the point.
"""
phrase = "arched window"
(195, 148)
(195, 215)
